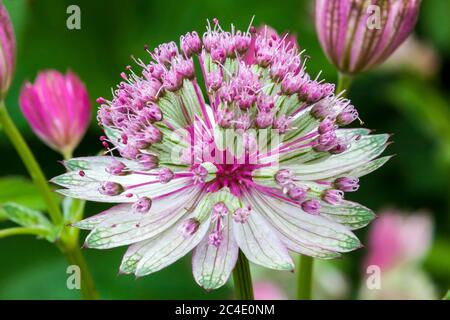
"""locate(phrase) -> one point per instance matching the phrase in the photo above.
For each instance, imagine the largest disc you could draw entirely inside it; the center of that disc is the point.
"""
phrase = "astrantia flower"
(261, 165)
(358, 35)
(57, 108)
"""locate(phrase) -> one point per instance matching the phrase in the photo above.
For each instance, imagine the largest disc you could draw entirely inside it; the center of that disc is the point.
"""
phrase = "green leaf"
(27, 217)
(22, 191)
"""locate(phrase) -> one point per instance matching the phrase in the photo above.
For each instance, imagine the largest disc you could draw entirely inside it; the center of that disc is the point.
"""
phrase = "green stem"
(305, 276)
(75, 257)
(22, 230)
(68, 244)
(30, 163)
(70, 247)
(242, 279)
(344, 83)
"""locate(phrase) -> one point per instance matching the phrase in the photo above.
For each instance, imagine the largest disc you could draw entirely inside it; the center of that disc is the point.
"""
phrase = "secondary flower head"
(358, 35)
(224, 176)
(57, 108)
(7, 51)
(396, 238)
(397, 244)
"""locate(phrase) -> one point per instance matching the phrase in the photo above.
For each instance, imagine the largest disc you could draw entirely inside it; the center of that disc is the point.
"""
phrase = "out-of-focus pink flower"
(358, 35)
(7, 51)
(396, 238)
(267, 290)
(289, 40)
(58, 109)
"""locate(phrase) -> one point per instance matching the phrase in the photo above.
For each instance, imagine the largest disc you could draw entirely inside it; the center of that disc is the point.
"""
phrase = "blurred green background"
(399, 100)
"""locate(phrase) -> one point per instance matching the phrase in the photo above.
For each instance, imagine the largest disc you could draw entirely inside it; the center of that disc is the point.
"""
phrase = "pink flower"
(58, 109)
(7, 51)
(395, 238)
(359, 35)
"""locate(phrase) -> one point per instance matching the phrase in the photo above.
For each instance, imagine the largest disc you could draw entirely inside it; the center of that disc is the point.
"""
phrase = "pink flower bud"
(311, 206)
(219, 210)
(297, 193)
(109, 188)
(189, 227)
(264, 119)
(165, 175)
(214, 80)
(116, 168)
(326, 125)
(57, 108)
(190, 44)
(7, 51)
(347, 184)
(215, 238)
(241, 215)
(284, 176)
(356, 38)
(147, 161)
(333, 196)
(143, 205)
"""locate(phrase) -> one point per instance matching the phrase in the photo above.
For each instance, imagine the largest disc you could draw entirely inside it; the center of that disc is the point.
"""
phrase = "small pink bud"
(214, 80)
(7, 51)
(116, 168)
(333, 196)
(264, 119)
(199, 174)
(311, 206)
(142, 205)
(347, 116)
(284, 176)
(165, 175)
(190, 44)
(189, 227)
(57, 108)
(110, 188)
(297, 193)
(241, 215)
(347, 184)
(147, 161)
(326, 125)
(215, 238)
(219, 210)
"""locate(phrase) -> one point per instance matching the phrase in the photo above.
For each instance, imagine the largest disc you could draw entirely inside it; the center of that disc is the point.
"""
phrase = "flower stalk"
(305, 277)
(74, 256)
(344, 83)
(242, 279)
(22, 230)
(68, 243)
(30, 163)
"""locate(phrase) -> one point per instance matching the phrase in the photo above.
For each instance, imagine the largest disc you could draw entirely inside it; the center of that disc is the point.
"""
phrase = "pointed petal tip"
(121, 273)
(208, 290)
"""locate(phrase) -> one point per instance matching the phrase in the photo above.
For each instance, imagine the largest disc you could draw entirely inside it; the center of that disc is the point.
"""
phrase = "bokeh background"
(408, 97)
